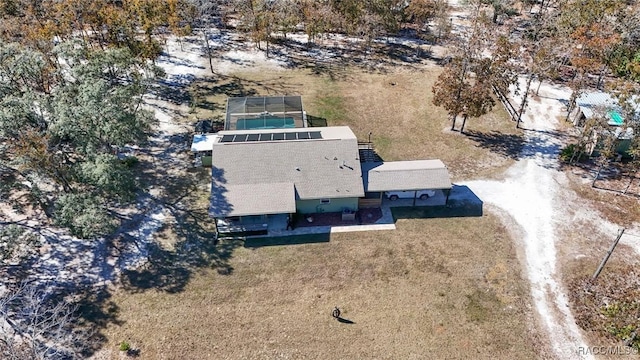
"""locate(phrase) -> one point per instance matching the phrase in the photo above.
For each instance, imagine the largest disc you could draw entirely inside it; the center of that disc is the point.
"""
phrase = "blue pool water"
(266, 123)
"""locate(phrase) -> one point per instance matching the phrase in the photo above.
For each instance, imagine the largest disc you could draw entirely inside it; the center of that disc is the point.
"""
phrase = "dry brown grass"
(604, 307)
(612, 205)
(395, 106)
(583, 247)
(434, 288)
(406, 125)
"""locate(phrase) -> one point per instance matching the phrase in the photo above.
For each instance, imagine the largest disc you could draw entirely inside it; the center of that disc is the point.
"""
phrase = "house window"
(325, 201)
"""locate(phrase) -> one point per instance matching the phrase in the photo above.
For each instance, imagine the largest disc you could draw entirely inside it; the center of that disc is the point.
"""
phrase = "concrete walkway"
(278, 224)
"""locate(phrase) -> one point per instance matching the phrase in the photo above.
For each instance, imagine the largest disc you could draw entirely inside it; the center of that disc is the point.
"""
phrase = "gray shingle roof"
(405, 175)
(319, 168)
(252, 199)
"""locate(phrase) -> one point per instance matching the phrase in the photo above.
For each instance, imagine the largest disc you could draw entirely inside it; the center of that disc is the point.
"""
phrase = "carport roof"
(405, 175)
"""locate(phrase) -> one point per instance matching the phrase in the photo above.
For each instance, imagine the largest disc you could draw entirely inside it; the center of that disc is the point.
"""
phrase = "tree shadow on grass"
(209, 87)
(186, 241)
(615, 177)
(173, 89)
(207, 90)
(163, 272)
(171, 270)
(70, 320)
(96, 311)
(333, 58)
(196, 247)
(287, 240)
(508, 145)
(404, 54)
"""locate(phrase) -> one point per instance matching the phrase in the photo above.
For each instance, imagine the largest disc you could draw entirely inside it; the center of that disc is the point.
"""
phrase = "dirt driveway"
(539, 208)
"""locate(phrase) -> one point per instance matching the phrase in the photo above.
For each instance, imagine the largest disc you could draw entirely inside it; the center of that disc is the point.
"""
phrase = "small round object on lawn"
(336, 312)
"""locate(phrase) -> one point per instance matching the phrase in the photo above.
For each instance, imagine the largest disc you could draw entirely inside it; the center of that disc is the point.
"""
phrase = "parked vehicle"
(409, 194)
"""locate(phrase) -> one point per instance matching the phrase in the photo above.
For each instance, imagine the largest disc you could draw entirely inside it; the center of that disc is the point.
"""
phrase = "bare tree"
(607, 140)
(422, 12)
(499, 7)
(34, 325)
(537, 55)
(591, 33)
(203, 11)
(634, 151)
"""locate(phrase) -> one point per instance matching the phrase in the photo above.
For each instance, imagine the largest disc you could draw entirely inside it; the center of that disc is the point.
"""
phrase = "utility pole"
(606, 258)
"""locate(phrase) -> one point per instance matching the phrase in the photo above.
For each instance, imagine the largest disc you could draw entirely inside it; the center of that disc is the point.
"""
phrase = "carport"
(413, 175)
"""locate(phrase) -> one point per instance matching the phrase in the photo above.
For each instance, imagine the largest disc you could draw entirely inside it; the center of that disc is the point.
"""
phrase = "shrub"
(125, 346)
(17, 244)
(130, 161)
(568, 152)
(623, 324)
(609, 306)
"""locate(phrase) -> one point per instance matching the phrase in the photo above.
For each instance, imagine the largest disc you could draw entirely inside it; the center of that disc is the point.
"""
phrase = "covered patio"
(250, 208)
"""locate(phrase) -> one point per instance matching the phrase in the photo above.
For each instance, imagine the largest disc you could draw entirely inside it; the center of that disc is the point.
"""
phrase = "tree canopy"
(99, 23)
(481, 64)
(59, 126)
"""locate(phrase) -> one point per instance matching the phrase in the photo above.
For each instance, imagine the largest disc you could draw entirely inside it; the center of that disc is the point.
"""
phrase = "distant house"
(599, 104)
(592, 104)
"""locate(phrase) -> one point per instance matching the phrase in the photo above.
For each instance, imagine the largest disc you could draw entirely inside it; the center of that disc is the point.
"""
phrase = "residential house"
(268, 164)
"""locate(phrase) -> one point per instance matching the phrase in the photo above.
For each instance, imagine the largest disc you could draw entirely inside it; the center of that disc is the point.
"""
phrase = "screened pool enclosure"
(273, 112)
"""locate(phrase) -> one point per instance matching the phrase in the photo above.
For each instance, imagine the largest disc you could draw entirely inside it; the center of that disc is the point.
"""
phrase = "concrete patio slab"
(277, 226)
(277, 223)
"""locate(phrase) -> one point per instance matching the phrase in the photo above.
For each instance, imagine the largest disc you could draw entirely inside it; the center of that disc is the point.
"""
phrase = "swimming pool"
(266, 123)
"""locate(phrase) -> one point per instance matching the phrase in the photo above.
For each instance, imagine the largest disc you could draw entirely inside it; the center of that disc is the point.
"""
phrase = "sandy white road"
(533, 197)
